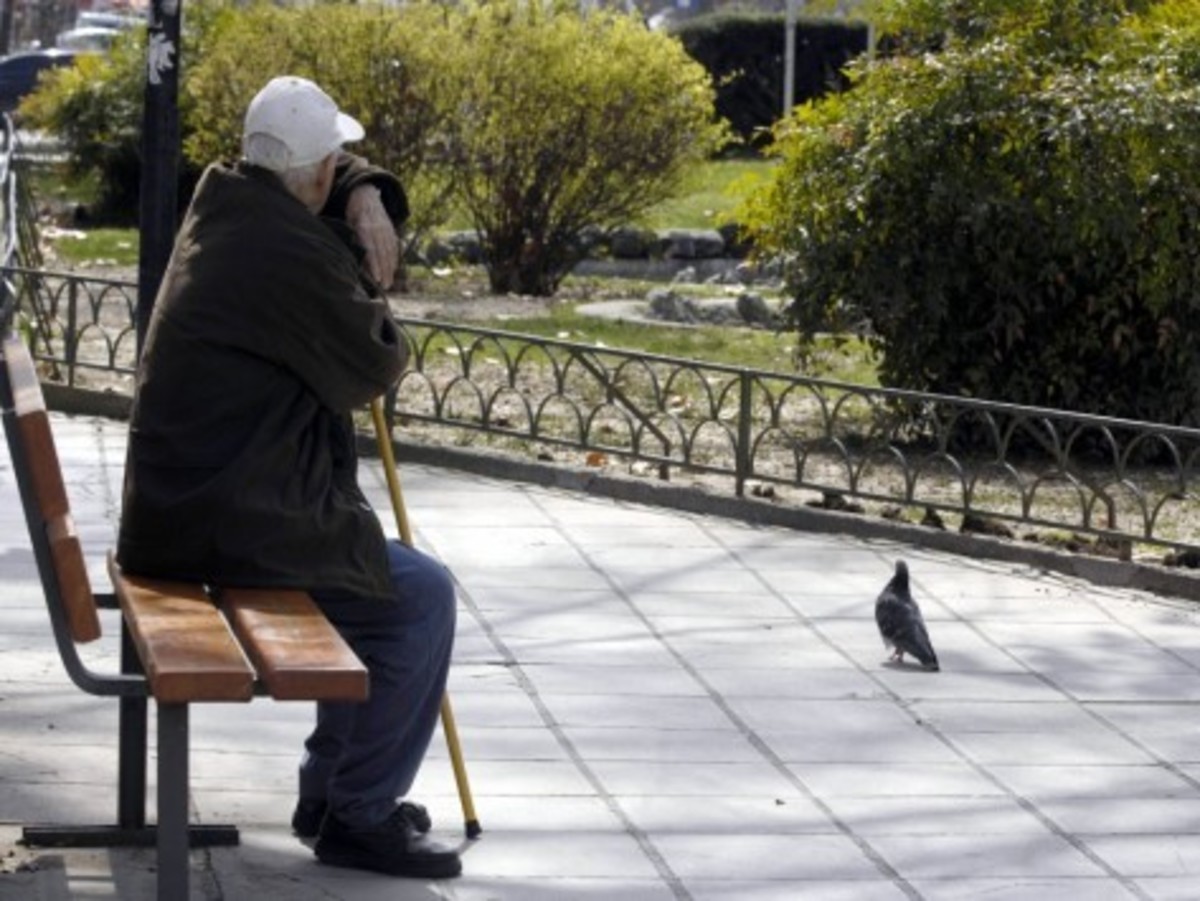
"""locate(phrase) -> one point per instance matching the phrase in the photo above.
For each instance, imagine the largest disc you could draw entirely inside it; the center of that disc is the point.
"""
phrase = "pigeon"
(901, 625)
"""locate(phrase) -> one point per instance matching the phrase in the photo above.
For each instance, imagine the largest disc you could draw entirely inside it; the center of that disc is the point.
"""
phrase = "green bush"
(1015, 217)
(564, 121)
(916, 25)
(95, 107)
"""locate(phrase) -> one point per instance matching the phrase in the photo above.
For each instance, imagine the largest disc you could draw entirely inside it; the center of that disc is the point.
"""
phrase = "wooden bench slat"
(39, 470)
(42, 458)
(184, 642)
(298, 653)
(22, 377)
(83, 619)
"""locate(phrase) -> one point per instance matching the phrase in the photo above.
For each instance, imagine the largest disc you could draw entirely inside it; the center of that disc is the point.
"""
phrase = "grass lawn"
(847, 360)
(749, 348)
(711, 194)
(108, 246)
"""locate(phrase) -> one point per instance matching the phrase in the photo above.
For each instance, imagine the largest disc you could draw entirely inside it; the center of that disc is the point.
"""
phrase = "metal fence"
(81, 328)
(9, 209)
(19, 245)
(805, 440)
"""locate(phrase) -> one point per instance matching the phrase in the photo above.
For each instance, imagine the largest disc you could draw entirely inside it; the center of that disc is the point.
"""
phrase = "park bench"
(181, 644)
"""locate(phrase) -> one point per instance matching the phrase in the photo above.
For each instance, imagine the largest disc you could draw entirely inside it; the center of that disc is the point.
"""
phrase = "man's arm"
(366, 215)
(373, 203)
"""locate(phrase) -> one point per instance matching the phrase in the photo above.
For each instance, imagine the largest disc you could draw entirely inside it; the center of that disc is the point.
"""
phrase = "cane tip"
(473, 829)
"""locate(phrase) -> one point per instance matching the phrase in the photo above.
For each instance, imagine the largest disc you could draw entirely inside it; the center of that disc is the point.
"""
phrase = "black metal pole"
(158, 205)
(131, 744)
(6, 26)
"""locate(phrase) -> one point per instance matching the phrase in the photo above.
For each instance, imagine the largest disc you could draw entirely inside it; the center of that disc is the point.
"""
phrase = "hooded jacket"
(241, 467)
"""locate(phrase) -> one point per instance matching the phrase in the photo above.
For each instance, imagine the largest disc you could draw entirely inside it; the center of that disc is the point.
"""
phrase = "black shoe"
(306, 821)
(394, 847)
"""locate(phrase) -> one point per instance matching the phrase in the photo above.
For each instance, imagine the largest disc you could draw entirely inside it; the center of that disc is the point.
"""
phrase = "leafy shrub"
(95, 107)
(1016, 217)
(564, 121)
(915, 25)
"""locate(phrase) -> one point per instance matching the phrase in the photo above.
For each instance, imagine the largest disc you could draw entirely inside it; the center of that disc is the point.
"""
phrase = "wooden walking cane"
(383, 435)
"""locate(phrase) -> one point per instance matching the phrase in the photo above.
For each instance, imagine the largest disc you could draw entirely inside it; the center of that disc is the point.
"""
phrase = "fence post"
(742, 451)
(71, 338)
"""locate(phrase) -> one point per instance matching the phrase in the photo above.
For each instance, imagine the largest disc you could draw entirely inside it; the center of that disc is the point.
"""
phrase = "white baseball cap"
(292, 123)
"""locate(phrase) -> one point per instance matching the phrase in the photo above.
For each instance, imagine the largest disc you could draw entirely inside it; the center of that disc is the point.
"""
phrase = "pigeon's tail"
(922, 648)
(924, 655)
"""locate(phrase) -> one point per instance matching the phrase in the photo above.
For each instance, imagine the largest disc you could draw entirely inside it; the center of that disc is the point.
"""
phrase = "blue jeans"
(361, 757)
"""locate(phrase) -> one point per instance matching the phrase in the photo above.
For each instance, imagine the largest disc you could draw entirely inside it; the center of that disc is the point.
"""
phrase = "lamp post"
(789, 57)
(789, 54)
(159, 189)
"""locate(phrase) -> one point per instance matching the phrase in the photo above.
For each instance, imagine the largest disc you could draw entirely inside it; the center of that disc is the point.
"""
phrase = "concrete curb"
(86, 402)
(1180, 583)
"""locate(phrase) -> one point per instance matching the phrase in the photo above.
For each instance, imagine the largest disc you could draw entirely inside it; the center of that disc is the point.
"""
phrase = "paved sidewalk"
(657, 705)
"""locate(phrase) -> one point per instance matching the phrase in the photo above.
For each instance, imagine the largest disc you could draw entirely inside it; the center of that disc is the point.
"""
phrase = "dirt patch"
(471, 308)
(464, 295)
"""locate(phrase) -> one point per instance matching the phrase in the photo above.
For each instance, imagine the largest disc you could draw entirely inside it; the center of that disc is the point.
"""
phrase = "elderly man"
(268, 330)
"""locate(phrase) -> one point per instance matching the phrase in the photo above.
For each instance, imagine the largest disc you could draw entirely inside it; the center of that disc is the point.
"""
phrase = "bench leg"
(131, 745)
(111, 835)
(173, 869)
(130, 830)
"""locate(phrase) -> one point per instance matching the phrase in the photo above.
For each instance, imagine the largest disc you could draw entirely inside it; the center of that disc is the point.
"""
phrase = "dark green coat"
(241, 467)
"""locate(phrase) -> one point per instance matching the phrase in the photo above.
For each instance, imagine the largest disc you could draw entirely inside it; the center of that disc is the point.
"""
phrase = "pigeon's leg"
(897, 656)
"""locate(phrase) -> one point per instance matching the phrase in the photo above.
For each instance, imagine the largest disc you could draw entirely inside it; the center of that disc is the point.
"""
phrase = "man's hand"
(366, 215)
